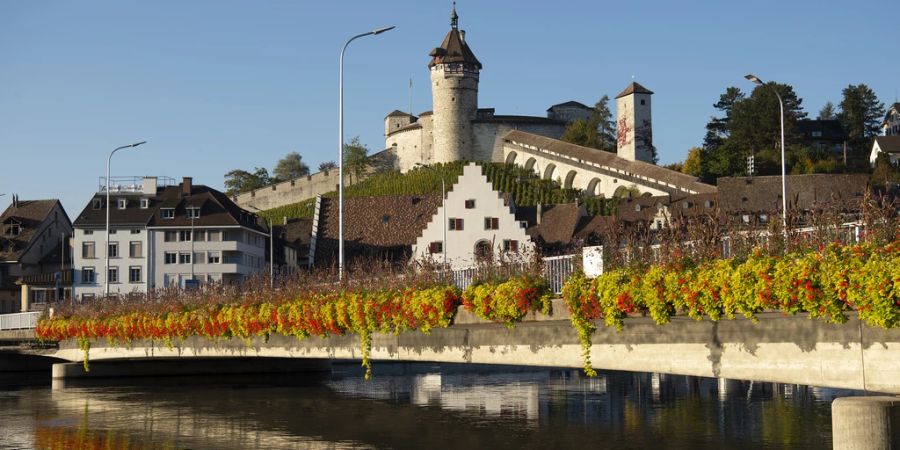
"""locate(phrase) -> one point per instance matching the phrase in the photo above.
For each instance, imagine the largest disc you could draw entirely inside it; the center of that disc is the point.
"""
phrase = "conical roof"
(454, 48)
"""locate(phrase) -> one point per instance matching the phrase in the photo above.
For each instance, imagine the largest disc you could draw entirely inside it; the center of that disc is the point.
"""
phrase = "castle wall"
(293, 191)
(455, 103)
(413, 146)
(489, 137)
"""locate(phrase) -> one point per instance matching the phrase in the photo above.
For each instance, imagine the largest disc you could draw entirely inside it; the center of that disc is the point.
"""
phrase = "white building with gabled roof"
(479, 225)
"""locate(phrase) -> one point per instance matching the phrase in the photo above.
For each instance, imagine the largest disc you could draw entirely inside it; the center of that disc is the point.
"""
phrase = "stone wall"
(489, 136)
(455, 103)
(292, 191)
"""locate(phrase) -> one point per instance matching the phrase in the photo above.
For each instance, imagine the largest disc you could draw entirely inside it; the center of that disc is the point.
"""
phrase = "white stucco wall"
(489, 136)
(242, 252)
(124, 262)
(460, 245)
(585, 177)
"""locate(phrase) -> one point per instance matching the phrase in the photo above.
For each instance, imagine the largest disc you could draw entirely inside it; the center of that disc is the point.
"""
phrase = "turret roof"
(634, 88)
(454, 48)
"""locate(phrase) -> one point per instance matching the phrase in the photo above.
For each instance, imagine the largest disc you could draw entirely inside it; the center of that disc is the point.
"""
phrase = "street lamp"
(341, 149)
(784, 225)
(271, 248)
(443, 207)
(108, 160)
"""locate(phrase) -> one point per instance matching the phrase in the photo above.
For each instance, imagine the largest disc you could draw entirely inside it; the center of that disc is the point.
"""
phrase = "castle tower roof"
(454, 48)
(634, 88)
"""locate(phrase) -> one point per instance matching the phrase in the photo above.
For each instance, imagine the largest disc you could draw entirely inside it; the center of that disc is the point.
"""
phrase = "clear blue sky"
(218, 85)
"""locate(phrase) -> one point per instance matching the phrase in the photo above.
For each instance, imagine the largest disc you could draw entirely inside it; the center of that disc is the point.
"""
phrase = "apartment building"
(164, 234)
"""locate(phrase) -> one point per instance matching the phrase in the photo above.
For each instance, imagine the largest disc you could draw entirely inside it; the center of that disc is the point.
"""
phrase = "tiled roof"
(634, 88)
(453, 50)
(398, 113)
(592, 155)
(383, 227)
(805, 192)
(28, 214)
(519, 119)
(557, 224)
(569, 103)
(888, 144)
(216, 209)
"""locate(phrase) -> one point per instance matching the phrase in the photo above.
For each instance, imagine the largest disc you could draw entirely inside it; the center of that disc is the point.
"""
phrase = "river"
(420, 406)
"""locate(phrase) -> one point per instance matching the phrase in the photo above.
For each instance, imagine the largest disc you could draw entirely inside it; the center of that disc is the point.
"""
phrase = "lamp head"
(382, 30)
(138, 143)
(755, 79)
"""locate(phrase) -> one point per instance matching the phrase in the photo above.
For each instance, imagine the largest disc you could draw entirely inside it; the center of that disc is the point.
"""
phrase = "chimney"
(462, 35)
(285, 220)
(540, 210)
(186, 185)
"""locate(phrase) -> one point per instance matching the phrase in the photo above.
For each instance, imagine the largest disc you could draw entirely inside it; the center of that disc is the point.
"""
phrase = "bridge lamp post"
(784, 225)
(443, 207)
(108, 161)
(341, 148)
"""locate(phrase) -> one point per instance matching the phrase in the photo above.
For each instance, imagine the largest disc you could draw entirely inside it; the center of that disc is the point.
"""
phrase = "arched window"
(484, 252)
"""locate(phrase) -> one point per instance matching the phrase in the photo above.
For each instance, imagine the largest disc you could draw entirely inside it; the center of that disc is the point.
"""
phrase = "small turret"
(634, 127)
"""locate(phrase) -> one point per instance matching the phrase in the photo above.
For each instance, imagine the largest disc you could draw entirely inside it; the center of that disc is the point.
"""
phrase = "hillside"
(526, 187)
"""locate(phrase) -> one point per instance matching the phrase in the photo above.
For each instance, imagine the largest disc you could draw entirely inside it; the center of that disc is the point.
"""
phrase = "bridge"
(779, 348)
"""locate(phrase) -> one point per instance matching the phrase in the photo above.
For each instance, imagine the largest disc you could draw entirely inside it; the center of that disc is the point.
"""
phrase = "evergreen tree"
(599, 131)
(827, 112)
(861, 115)
(356, 159)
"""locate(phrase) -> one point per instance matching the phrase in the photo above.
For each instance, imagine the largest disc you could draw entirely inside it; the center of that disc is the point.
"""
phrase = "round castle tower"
(454, 90)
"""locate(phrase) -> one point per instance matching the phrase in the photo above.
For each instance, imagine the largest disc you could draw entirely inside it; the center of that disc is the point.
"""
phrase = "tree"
(827, 112)
(290, 167)
(356, 158)
(751, 126)
(239, 181)
(861, 115)
(327, 165)
(598, 131)
(693, 162)
(884, 171)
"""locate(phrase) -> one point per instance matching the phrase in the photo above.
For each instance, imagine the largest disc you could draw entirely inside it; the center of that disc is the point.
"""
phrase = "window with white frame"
(113, 275)
(184, 258)
(214, 236)
(455, 224)
(491, 223)
(184, 235)
(136, 249)
(170, 236)
(135, 231)
(213, 258)
(170, 258)
(134, 274)
(193, 212)
(145, 203)
(510, 245)
(97, 203)
(167, 213)
(113, 250)
(199, 235)
(123, 203)
(88, 276)
(88, 250)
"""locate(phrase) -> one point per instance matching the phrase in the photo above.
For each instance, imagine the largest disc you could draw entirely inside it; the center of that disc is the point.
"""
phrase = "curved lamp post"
(108, 160)
(760, 82)
(341, 148)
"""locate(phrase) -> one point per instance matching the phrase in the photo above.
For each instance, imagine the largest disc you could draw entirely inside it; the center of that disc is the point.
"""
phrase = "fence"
(556, 270)
(19, 321)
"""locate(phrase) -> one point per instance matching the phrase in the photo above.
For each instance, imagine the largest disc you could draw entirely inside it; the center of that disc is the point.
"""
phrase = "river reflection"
(422, 406)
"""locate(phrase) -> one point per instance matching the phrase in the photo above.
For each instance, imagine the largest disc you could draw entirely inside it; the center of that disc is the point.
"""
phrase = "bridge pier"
(865, 423)
(161, 367)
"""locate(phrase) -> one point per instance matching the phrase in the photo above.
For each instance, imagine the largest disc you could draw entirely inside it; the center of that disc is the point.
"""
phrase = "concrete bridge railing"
(779, 348)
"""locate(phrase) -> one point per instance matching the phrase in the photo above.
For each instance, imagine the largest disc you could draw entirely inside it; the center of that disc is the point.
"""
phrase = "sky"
(221, 85)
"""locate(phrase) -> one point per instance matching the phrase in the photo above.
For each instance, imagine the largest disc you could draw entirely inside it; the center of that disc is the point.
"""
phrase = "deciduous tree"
(290, 167)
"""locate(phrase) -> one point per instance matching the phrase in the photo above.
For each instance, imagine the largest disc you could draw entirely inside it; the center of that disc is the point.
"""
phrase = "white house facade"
(478, 224)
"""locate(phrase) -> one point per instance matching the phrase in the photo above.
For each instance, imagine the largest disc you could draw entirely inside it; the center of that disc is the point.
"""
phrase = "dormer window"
(167, 213)
(123, 203)
(97, 203)
(193, 213)
(145, 203)
(13, 229)
(637, 207)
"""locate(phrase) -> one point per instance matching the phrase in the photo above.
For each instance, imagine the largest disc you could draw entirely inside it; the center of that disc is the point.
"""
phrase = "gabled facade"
(889, 145)
(891, 124)
(480, 226)
(31, 231)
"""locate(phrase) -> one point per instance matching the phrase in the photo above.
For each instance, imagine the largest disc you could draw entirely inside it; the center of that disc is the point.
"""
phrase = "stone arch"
(593, 187)
(548, 171)
(529, 165)
(511, 158)
(483, 251)
(570, 179)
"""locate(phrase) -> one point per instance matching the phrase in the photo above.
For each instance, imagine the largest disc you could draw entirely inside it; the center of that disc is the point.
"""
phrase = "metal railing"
(19, 321)
(556, 270)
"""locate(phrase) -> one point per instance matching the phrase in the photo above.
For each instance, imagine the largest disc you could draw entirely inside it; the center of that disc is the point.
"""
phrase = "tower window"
(643, 101)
